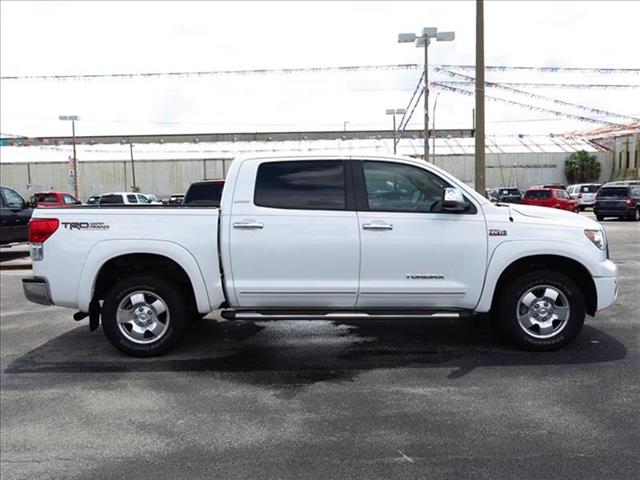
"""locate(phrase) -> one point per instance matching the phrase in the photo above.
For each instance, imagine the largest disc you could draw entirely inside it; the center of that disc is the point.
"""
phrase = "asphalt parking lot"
(326, 400)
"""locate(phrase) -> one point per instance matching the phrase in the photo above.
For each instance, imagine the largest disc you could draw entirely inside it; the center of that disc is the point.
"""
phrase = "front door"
(413, 254)
(293, 235)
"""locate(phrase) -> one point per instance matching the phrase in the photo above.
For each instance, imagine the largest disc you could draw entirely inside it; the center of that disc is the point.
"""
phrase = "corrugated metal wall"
(164, 177)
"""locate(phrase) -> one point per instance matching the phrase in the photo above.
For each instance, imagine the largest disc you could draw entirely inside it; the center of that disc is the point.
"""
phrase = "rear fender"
(106, 250)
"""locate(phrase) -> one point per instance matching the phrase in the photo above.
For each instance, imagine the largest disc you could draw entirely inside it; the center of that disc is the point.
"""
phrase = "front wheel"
(144, 316)
(541, 310)
(599, 218)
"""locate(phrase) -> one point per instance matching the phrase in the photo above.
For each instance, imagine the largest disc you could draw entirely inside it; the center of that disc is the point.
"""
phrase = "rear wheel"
(599, 218)
(541, 310)
(144, 316)
(635, 216)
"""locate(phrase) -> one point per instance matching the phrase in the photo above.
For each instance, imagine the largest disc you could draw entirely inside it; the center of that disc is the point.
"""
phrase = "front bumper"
(607, 291)
(36, 290)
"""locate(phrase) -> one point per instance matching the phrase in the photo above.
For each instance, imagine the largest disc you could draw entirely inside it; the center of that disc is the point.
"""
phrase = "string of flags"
(591, 110)
(346, 68)
(557, 113)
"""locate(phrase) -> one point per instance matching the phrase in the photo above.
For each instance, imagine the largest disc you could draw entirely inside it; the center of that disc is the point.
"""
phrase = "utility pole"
(133, 169)
(480, 184)
(394, 112)
(73, 119)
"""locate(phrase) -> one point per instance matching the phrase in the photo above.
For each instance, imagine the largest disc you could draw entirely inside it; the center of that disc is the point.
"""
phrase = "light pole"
(344, 125)
(394, 112)
(433, 152)
(423, 40)
(73, 119)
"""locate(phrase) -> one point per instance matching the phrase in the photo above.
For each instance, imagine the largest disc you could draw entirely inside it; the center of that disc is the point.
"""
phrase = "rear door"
(293, 235)
(413, 254)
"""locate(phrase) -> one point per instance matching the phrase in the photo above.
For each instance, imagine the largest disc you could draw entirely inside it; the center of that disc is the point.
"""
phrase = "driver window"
(395, 187)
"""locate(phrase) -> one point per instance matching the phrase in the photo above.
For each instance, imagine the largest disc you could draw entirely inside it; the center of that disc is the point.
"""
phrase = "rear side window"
(132, 199)
(307, 185)
(45, 197)
(111, 199)
(68, 199)
(538, 194)
(613, 192)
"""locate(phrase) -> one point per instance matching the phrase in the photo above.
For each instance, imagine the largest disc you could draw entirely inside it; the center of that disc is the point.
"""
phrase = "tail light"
(39, 230)
(631, 202)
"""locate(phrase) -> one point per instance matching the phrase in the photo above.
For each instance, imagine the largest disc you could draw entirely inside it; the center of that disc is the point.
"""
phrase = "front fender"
(510, 251)
(106, 250)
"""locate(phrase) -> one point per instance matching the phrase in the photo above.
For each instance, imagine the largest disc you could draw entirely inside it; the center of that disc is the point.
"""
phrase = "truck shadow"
(290, 355)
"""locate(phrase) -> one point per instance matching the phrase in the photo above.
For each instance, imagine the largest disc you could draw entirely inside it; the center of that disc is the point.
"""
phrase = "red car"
(550, 197)
(53, 199)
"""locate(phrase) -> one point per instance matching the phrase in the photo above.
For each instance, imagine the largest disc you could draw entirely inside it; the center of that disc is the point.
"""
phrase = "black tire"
(599, 218)
(176, 317)
(582, 209)
(635, 216)
(507, 305)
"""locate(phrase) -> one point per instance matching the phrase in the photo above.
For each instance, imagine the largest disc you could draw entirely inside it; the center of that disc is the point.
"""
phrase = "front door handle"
(377, 226)
(248, 225)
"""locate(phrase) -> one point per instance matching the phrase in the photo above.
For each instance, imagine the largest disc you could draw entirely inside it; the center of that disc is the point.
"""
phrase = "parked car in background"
(505, 195)
(15, 214)
(53, 199)
(584, 193)
(550, 197)
(618, 199)
(93, 200)
(123, 198)
(176, 199)
(206, 193)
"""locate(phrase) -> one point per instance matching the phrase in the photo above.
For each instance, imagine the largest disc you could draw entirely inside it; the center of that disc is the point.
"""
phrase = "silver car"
(584, 193)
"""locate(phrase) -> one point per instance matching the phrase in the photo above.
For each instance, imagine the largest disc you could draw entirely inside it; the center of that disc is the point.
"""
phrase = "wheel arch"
(568, 266)
(110, 260)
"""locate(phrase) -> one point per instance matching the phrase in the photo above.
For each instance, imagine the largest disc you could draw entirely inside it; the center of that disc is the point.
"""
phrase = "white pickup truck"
(323, 237)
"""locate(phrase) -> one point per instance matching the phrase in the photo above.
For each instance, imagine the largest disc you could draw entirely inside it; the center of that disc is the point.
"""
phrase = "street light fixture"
(394, 112)
(73, 118)
(422, 41)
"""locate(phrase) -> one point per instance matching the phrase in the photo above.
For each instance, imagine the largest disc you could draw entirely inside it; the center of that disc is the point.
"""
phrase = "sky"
(71, 38)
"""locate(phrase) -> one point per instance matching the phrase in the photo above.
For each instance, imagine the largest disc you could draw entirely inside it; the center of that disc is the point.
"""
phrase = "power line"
(507, 68)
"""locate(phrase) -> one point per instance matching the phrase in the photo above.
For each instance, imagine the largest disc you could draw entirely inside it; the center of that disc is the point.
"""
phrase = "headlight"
(597, 238)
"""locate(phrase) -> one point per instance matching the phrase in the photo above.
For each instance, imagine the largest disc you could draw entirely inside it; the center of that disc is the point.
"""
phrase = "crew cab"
(15, 214)
(323, 237)
(53, 199)
(550, 197)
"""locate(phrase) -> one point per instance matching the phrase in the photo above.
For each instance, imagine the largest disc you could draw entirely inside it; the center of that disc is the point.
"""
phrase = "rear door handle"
(248, 225)
(377, 226)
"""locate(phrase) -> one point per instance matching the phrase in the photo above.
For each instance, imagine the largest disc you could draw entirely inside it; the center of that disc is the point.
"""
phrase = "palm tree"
(581, 167)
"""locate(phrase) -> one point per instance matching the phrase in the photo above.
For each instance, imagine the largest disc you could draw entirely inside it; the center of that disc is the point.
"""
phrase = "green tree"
(581, 167)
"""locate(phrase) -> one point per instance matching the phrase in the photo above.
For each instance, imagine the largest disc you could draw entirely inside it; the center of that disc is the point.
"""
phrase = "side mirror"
(453, 201)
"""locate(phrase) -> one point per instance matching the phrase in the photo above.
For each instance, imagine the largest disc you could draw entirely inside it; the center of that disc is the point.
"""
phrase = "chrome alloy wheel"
(543, 311)
(143, 317)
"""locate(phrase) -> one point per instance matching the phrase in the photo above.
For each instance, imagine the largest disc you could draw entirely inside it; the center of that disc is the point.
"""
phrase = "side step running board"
(309, 315)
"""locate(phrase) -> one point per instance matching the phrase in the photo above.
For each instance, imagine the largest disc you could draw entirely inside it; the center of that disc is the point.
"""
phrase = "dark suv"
(15, 214)
(504, 195)
(619, 199)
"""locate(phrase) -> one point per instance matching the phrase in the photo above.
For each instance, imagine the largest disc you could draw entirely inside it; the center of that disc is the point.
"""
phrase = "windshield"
(111, 199)
(613, 192)
(589, 188)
